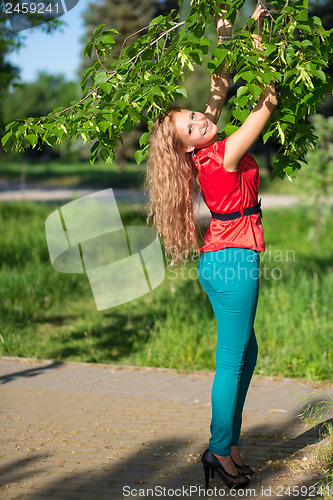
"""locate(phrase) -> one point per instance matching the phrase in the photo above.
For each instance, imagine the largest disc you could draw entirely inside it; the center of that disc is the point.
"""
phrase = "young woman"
(184, 148)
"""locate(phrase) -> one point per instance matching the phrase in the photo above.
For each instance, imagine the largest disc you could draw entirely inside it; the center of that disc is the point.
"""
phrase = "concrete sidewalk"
(13, 191)
(96, 432)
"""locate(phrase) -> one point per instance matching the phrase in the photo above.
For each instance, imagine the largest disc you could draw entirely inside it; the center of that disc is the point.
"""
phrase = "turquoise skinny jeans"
(230, 278)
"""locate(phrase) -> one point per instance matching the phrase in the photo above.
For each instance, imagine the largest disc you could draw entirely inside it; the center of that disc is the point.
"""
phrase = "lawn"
(69, 174)
(50, 315)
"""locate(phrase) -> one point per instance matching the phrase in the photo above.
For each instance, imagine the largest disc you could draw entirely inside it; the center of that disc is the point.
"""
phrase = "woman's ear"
(189, 149)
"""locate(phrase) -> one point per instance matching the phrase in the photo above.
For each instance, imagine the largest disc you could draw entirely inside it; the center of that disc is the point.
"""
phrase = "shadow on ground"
(30, 372)
(169, 464)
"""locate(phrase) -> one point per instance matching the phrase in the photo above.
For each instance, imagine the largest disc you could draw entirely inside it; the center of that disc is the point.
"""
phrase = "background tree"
(39, 98)
(316, 178)
(324, 10)
(9, 42)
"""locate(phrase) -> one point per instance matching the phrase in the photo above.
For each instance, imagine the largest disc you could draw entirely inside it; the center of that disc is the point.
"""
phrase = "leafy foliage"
(147, 77)
(40, 96)
(128, 17)
(316, 178)
(9, 42)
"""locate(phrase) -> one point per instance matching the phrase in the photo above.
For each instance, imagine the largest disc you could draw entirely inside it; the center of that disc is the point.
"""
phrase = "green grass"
(46, 314)
(67, 174)
(327, 456)
(316, 413)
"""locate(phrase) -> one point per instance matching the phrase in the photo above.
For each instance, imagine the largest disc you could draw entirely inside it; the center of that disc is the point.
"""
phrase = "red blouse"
(225, 192)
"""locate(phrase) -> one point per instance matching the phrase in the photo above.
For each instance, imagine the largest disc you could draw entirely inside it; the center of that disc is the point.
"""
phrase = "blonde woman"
(185, 149)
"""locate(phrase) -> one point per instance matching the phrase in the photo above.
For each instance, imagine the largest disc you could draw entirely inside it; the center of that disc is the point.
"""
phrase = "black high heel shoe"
(243, 469)
(211, 463)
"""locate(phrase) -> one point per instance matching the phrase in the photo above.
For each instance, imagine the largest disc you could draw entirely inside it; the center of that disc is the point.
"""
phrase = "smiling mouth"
(206, 129)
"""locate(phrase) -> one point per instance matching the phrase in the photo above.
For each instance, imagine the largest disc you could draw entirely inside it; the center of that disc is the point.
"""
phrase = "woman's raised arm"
(219, 83)
(240, 141)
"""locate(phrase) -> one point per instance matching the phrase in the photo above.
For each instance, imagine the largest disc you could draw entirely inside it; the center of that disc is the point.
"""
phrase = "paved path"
(10, 191)
(96, 432)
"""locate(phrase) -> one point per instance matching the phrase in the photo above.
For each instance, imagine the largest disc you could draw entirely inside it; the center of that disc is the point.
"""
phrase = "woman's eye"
(192, 118)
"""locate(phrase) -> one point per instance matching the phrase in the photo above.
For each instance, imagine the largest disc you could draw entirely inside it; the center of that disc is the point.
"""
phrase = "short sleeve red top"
(225, 192)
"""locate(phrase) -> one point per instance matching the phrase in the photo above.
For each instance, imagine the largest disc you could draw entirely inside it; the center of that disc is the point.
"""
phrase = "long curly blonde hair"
(171, 182)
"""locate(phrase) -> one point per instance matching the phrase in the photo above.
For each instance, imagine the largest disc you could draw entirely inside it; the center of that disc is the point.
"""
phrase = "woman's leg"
(230, 278)
(249, 365)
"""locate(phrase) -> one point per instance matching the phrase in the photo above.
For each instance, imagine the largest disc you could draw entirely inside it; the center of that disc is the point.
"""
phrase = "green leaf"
(180, 91)
(288, 118)
(51, 141)
(320, 74)
(241, 90)
(241, 114)
(251, 22)
(204, 41)
(156, 91)
(111, 31)
(98, 29)
(107, 87)
(303, 15)
(95, 146)
(101, 76)
(270, 49)
(305, 27)
(248, 76)
(306, 43)
(266, 77)
(255, 90)
(230, 129)
(33, 139)
(103, 126)
(104, 154)
(106, 40)
(143, 139)
(87, 50)
(213, 65)
(156, 20)
(317, 20)
(128, 125)
(280, 132)
(140, 155)
(220, 54)
(6, 138)
(267, 135)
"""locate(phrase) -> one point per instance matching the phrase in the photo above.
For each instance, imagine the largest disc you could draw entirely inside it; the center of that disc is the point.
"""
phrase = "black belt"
(256, 209)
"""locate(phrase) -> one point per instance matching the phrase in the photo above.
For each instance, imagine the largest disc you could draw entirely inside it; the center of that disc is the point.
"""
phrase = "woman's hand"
(220, 83)
(223, 26)
(258, 15)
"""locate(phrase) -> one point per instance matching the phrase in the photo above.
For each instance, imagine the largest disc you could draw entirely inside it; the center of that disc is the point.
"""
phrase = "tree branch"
(100, 62)
(135, 58)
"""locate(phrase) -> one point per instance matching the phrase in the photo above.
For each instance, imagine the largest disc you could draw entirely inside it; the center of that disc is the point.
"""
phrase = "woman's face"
(194, 129)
